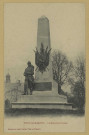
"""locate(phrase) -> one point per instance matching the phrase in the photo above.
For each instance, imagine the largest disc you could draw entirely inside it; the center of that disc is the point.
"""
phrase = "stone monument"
(45, 93)
(43, 74)
(43, 39)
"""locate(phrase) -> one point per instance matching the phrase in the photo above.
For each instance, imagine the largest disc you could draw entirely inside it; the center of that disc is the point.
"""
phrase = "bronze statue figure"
(29, 79)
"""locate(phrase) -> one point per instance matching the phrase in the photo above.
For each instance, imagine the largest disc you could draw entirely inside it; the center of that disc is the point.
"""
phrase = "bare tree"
(61, 68)
(79, 70)
(78, 82)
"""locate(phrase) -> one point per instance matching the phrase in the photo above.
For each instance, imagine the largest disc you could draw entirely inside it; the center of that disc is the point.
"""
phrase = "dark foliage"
(78, 84)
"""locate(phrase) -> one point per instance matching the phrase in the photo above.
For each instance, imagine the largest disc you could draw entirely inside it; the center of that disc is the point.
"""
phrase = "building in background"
(12, 90)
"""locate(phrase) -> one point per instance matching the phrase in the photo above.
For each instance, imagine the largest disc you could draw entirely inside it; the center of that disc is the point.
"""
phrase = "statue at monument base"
(29, 79)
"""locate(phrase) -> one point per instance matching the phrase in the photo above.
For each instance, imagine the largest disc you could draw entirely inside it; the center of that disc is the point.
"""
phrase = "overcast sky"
(67, 32)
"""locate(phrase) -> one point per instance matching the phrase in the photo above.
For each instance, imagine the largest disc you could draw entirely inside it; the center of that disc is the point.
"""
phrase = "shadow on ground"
(41, 112)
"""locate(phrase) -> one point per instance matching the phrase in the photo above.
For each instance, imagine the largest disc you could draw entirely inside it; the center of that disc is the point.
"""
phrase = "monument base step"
(42, 99)
(45, 102)
(62, 106)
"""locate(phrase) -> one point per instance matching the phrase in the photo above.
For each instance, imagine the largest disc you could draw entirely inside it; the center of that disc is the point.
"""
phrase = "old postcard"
(44, 68)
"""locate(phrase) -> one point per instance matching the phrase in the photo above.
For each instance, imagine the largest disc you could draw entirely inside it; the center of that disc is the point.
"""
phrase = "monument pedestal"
(42, 101)
(44, 96)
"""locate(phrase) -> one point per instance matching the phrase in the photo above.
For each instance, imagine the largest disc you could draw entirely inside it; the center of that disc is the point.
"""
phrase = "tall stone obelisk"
(43, 32)
(43, 38)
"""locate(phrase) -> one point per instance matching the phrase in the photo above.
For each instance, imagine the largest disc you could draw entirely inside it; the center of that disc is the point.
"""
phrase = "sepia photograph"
(44, 67)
